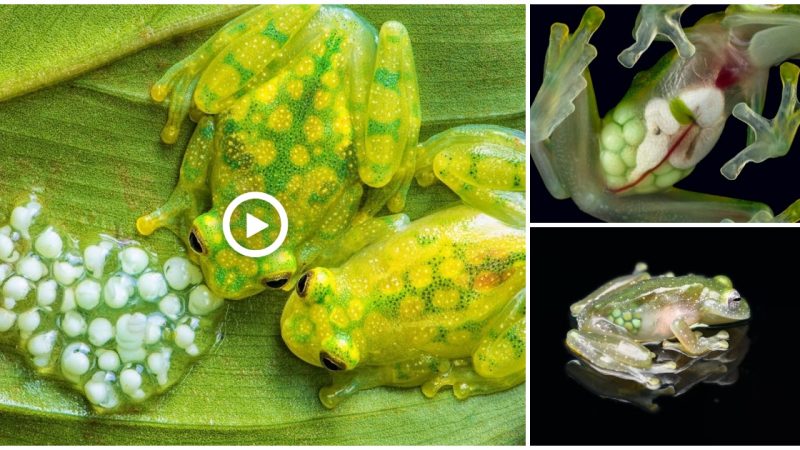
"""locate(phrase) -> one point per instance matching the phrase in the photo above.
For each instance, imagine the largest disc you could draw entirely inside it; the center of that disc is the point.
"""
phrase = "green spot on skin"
(616, 313)
(273, 33)
(207, 132)
(244, 73)
(392, 129)
(680, 111)
(627, 315)
(387, 78)
(637, 323)
(619, 321)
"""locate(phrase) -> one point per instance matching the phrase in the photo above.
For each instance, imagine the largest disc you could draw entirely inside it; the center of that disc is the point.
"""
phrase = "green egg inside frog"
(308, 104)
(617, 319)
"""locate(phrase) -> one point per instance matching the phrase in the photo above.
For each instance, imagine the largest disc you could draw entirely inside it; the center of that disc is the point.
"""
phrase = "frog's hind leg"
(497, 364)
(611, 352)
(220, 69)
(387, 157)
(483, 164)
(191, 196)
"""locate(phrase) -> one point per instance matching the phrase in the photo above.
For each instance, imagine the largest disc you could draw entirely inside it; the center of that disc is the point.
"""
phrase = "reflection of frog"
(312, 106)
(439, 303)
(622, 167)
(619, 317)
(720, 368)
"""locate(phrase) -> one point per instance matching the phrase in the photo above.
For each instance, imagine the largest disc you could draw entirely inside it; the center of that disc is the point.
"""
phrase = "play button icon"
(255, 225)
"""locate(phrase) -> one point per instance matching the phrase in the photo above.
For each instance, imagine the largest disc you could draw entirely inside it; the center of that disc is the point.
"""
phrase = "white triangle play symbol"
(254, 225)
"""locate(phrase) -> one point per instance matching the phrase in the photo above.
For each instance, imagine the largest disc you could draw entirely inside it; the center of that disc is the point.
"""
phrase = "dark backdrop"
(760, 408)
(773, 182)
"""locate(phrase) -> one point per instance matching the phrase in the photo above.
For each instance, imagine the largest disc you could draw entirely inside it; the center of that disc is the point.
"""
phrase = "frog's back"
(291, 136)
(437, 285)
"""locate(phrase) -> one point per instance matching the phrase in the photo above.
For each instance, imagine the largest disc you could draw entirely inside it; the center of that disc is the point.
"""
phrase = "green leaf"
(92, 146)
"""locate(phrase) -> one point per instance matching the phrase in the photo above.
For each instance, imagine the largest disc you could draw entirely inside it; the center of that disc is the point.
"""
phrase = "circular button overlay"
(226, 224)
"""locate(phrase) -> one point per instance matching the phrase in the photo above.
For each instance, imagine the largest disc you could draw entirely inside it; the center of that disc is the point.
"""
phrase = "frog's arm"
(693, 342)
(657, 21)
(483, 164)
(211, 77)
(774, 137)
(568, 56)
(191, 196)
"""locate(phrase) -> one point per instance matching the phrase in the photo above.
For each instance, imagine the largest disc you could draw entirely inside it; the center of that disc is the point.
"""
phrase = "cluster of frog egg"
(631, 321)
(106, 320)
(622, 133)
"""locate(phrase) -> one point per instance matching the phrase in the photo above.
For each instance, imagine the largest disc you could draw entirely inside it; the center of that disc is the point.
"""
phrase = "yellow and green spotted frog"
(439, 302)
(312, 106)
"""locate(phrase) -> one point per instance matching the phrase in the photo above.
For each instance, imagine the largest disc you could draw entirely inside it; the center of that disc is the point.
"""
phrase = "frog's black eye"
(331, 363)
(733, 298)
(196, 243)
(277, 282)
(302, 284)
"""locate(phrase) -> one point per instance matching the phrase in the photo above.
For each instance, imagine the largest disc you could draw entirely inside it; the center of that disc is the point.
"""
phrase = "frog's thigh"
(484, 165)
(617, 353)
(403, 374)
(191, 196)
(393, 114)
(693, 342)
(501, 350)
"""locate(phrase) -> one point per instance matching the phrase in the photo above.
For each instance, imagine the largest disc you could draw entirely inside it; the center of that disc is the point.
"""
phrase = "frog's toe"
(723, 335)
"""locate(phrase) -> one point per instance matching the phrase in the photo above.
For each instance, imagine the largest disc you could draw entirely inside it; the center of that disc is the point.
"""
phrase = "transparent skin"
(617, 319)
(623, 167)
(312, 106)
(440, 302)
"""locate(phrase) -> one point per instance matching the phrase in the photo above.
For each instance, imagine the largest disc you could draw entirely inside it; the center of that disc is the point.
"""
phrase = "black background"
(773, 182)
(760, 408)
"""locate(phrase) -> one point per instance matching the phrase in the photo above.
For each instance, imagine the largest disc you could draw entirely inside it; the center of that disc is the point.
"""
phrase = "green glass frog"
(312, 106)
(440, 302)
(623, 167)
(618, 318)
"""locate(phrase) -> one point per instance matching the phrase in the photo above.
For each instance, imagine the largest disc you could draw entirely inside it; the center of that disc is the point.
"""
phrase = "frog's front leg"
(215, 74)
(412, 373)
(608, 348)
(693, 342)
(773, 138)
(387, 156)
(483, 164)
(191, 196)
(498, 362)
(653, 21)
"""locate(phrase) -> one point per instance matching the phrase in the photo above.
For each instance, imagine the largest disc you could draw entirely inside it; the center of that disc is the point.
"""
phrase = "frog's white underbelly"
(657, 323)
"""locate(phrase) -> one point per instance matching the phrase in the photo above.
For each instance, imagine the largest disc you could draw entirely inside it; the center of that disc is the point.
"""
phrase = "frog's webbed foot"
(466, 382)
(693, 342)
(774, 137)
(219, 70)
(483, 164)
(568, 57)
(653, 21)
(386, 160)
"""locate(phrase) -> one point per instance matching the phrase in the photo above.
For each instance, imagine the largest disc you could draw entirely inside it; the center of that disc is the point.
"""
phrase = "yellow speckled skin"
(307, 104)
(441, 302)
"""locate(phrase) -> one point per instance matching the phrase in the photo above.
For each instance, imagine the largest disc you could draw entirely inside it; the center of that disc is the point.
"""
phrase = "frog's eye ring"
(196, 243)
(331, 363)
(278, 281)
(302, 284)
